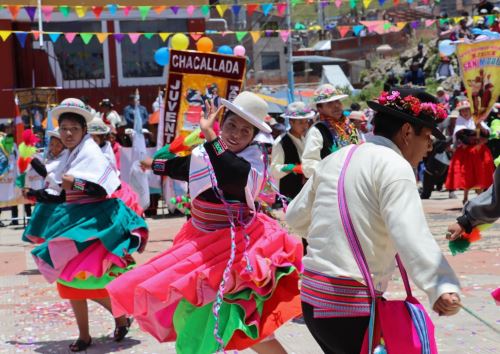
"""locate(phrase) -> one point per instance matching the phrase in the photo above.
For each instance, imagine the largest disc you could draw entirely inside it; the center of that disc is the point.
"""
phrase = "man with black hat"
(370, 200)
(331, 132)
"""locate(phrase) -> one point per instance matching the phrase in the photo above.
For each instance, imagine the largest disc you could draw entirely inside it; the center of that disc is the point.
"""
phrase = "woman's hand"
(67, 182)
(447, 305)
(147, 163)
(454, 231)
(207, 123)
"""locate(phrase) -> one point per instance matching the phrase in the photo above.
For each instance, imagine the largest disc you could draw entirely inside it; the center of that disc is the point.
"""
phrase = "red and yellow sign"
(193, 78)
(480, 69)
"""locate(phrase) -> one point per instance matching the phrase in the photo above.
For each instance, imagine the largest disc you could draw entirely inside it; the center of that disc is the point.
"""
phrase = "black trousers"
(336, 335)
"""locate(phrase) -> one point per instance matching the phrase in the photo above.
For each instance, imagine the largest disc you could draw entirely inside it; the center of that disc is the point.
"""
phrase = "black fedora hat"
(401, 108)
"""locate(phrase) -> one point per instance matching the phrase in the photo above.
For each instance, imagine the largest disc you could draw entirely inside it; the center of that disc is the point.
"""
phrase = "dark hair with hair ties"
(388, 127)
(74, 117)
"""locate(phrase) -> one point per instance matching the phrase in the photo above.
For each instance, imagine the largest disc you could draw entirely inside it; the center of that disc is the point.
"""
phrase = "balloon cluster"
(180, 41)
(182, 203)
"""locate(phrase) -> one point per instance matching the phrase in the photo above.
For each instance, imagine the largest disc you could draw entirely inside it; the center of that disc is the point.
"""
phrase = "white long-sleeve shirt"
(278, 156)
(387, 214)
(312, 151)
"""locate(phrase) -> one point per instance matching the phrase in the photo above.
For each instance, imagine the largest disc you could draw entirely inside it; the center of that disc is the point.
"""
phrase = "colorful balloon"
(205, 45)
(225, 49)
(162, 56)
(239, 51)
(180, 41)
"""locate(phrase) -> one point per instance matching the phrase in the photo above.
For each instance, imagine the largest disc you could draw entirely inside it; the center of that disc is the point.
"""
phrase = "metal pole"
(40, 22)
(291, 81)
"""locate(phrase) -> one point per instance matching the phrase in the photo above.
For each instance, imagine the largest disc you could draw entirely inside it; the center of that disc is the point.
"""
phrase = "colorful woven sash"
(210, 216)
(335, 296)
(77, 197)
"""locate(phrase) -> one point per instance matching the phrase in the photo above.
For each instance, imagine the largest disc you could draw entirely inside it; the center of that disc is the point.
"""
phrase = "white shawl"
(88, 163)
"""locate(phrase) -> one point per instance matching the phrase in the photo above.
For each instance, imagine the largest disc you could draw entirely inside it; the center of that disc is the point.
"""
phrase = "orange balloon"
(205, 45)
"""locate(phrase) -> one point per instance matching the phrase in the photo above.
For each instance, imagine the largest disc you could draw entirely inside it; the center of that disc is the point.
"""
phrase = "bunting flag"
(240, 35)
(266, 8)
(281, 8)
(338, 3)
(112, 8)
(366, 3)
(352, 4)
(251, 9)
(134, 37)
(236, 10)
(255, 36)
(174, 9)
(80, 11)
(196, 36)
(429, 23)
(323, 4)
(356, 29)
(295, 2)
(47, 12)
(221, 9)
(118, 37)
(14, 10)
(54, 36)
(21, 37)
(396, 2)
(144, 11)
(126, 10)
(65, 10)
(36, 35)
(343, 30)
(284, 34)
(70, 37)
(31, 11)
(190, 10)
(205, 10)
(86, 37)
(5, 35)
(159, 9)
(101, 37)
(97, 10)
(164, 36)
(148, 35)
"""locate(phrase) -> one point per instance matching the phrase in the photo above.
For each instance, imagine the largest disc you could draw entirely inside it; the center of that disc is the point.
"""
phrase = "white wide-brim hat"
(54, 133)
(72, 105)
(251, 108)
(98, 127)
(462, 105)
(298, 110)
(327, 93)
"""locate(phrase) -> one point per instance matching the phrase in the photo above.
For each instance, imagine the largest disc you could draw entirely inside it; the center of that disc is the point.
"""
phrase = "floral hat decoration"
(419, 108)
(298, 110)
(327, 93)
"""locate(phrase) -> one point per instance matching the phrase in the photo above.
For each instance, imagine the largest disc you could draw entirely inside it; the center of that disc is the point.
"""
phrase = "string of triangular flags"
(265, 8)
(379, 27)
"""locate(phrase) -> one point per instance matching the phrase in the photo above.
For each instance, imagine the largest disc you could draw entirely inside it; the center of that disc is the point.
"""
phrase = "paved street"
(34, 320)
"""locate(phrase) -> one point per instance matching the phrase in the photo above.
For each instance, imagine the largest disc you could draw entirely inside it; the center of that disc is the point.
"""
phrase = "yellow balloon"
(180, 41)
(205, 45)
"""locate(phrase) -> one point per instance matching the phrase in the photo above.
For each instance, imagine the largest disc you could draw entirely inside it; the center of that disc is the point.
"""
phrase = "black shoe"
(79, 345)
(14, 223)
(121, 331)
(2, 224)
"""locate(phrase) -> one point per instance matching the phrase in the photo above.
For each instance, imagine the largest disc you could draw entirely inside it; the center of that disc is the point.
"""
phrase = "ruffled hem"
(192, 270)
(127, 195)
(83, 237)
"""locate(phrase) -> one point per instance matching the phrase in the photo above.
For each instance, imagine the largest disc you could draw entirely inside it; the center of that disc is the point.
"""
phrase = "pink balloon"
(239, 51)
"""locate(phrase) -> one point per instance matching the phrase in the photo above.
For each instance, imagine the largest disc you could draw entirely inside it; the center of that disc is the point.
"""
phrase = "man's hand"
(147, 163)
(67, 182)
(447, 305)
(454, 231)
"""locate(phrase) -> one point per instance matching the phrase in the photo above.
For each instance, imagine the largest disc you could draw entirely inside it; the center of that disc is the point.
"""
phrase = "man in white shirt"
(387, 215)
(286, 163)
(332, 130)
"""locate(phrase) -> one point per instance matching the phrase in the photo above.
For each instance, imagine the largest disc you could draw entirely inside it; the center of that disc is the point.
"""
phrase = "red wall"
(8, 76)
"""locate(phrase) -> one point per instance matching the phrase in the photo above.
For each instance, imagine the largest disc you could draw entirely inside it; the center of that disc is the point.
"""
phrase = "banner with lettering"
(9, 194)
(480, 69)
(193, 78)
